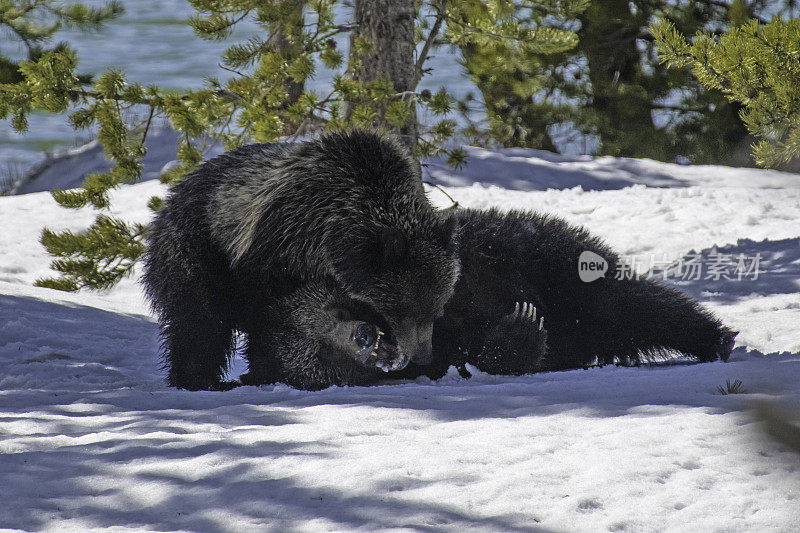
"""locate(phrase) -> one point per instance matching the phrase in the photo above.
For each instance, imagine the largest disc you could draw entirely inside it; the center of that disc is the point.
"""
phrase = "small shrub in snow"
(731, 388)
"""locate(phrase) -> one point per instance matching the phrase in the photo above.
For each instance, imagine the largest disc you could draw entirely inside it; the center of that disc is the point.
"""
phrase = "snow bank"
(90, 438)
(67, 169)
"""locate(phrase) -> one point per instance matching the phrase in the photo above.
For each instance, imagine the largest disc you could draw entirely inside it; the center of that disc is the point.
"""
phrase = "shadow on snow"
(59, 466)
(722, 279)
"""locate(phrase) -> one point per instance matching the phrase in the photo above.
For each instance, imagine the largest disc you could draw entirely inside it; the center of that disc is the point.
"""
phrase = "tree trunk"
(608, 39)
(286, 36)
(389, 27)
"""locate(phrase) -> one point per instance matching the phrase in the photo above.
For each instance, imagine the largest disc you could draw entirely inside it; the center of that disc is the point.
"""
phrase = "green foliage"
(34, 23)
(264, 99)
(500, 41)
(512, 74)
(610, 87)
(731, 388)
(754, 65)
(97, 258)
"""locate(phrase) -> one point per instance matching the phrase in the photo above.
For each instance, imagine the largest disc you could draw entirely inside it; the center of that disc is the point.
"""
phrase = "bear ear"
(392, 246)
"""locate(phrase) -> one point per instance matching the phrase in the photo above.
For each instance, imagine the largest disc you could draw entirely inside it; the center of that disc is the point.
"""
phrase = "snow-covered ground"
(90, 438)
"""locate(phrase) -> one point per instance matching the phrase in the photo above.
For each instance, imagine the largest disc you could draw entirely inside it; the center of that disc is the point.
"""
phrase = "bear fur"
(519, 305)
(272, 240)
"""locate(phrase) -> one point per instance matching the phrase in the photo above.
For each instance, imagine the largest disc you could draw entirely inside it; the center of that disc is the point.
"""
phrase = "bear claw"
(527, 312)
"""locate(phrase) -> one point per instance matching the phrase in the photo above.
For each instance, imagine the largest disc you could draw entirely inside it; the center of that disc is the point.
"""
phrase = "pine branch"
(75, 94)
(720, 3)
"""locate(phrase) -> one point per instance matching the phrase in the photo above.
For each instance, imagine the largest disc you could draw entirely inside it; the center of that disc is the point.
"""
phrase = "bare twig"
(455, 204)
(231, 70)
(147, 126)
(236, 21)
(667, 107)
(405, 94)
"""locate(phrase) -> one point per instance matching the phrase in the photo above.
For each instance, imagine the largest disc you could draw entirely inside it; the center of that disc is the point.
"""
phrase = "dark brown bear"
(520, 305)
(272, 240)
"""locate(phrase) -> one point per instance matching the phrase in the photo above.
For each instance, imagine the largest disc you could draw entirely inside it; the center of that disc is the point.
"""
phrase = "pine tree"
(755, 65)
(34, 23)
(264, 99)
(611, 87)
(515, 75)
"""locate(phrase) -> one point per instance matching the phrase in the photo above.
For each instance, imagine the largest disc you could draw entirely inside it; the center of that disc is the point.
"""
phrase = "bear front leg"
(516, 345)
(261, 353)
(197, 349)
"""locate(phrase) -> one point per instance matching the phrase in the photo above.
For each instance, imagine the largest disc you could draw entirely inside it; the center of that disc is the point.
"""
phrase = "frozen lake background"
(153, 44)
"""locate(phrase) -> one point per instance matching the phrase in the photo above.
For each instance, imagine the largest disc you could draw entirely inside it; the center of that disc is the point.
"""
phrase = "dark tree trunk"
(389, 26)
(286, 37)
(608, 39)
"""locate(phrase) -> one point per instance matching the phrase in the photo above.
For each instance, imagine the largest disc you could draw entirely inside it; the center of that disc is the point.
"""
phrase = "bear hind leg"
(654, 318)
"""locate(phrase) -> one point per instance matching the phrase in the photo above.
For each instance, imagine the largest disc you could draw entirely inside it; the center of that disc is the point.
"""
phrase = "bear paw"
(524, 316)
(375, 350)
(517, 344)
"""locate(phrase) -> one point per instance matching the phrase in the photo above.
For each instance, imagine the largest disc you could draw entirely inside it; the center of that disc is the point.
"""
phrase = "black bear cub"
(520, 305)
(326, 254)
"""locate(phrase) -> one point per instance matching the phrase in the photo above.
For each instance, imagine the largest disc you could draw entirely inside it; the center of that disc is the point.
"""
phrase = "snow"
(91, 438)
(526, 169)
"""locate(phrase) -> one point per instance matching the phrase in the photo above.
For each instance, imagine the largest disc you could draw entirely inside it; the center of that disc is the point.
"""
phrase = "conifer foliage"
(610, 89)
(756, 65)
(34, 23)
(265, 98)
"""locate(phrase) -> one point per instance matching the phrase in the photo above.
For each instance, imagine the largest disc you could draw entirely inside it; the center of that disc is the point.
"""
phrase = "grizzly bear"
(329, 258)
(305, 229)
(520, 305)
